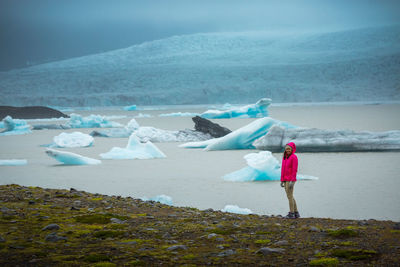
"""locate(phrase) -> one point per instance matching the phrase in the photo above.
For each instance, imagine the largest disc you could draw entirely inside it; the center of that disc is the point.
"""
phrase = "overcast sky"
(36, 31)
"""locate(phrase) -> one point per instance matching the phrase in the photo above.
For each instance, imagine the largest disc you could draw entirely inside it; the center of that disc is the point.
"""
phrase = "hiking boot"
(296, 214)
(290, 216)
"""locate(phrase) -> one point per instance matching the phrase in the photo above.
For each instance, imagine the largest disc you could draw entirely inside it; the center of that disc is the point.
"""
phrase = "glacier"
(236, 209)
(69, 158)
(220, 67)
(13, 162)
(318, 140)
(14, 126)
(75, 139)
(262, 166)
(241, 138)
(134, 150)
(257, 110)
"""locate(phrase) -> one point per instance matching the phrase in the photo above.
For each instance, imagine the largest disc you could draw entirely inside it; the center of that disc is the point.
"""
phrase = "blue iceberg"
(163, 199)
(14, 126)
(179, 114)
(257, 110)
(130, 108)
(236, 209)
(134, 150)
(75, 139)
(262, 166)
(69, 158)
(242, 138)
(92, 121)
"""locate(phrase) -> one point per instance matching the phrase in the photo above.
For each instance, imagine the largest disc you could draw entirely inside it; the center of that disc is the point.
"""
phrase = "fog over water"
(33, 32)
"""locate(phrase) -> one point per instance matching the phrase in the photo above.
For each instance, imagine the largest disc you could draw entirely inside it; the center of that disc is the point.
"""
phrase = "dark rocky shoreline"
(53, 227)
(30, 112)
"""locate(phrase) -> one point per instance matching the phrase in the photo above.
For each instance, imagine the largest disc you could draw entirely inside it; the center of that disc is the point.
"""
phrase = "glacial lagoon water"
(350, 186)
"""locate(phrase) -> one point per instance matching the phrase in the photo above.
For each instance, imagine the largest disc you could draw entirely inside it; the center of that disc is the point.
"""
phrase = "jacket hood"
(293, 146)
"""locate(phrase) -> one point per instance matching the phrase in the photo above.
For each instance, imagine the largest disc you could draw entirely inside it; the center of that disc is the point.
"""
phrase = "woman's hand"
(282, 184)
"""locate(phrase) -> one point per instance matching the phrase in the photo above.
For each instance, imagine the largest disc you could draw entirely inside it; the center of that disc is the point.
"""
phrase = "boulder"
(206, 126)
(30, 112)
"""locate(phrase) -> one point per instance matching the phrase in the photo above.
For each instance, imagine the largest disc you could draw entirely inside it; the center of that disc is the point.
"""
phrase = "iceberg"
(134, 150)
(130, 108)
(13, 162)
(141, 115)
(69, 158)
(14, 126)
(159, 136)
(179, 114)
(124, 132)
(236, 209)
(163, 199)
(257, 110)
(317, 140)
(242, 138)
(262, 166)
(75, 139)
(92, 121)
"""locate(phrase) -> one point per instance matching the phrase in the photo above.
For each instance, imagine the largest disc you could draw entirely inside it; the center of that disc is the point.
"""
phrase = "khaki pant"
(289, 193)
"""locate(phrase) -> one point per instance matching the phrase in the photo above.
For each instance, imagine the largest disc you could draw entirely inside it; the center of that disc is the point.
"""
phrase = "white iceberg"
(14, 126)
(257, 110)
(141, 115)
(159, 136)
(92, 121)
(163, 199)
(130, 108)
(69, 158)
(317, 140)
(262, 166)
(124, 132)
(236, 209)
(179, 114)
(242, 138)
(13, 162)
(75, 139)
(134, 150)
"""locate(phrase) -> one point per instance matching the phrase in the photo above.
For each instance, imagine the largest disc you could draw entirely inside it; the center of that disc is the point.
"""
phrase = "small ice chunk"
(134, 150)
(141, 115)
(132, 125)
(69, 158)
(163, 199)
(13, 162)
(75, 139)
(236, 209)
(130, 108)
(257, 110)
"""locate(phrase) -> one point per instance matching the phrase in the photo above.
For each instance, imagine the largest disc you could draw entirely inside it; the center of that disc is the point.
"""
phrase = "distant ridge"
(238, 67)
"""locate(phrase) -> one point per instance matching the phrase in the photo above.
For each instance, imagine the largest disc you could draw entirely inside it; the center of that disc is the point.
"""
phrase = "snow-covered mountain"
(237, 67)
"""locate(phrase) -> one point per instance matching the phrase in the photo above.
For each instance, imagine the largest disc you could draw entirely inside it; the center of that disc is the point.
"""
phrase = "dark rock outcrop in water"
(31, 112)
(206, 126)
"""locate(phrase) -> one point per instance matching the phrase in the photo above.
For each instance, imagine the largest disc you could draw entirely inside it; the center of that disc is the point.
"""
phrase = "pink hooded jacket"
(289, 166)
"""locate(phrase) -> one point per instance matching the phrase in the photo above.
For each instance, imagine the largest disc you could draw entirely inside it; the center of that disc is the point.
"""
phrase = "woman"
(288, 177)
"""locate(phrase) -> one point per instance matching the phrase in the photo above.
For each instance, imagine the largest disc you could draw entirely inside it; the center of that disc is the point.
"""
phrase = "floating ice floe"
(69, 158)
(163, 199)
(92, 121)
(130, 108)
(141, 115)
(134, 150)
(14, 126)
(13, 162)
(236, 209)
(242, 138)
(262, 166)
(257, 110)
(317, 140)
(179, 114)
(117, 132)
(75, 139)
(159, 136)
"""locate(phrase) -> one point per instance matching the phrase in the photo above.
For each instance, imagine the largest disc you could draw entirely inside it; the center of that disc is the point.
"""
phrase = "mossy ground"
(147, 231)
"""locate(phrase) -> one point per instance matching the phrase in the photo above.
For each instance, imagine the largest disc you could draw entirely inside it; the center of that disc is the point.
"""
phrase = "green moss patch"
(343, 233)
(108, 234)
(354, 254)
(99, 218)
(324, 262)
(97, 258)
